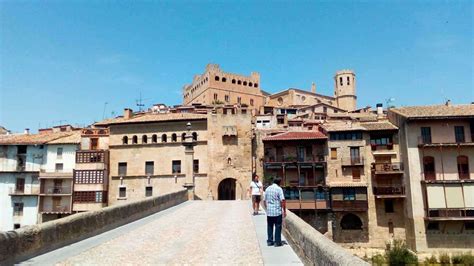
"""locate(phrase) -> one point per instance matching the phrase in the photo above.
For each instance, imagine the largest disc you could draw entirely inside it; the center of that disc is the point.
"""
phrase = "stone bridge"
(169, 230)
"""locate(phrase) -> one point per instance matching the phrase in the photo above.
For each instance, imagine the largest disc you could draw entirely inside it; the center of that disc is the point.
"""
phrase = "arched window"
(351, 222)
(125, 140)
(463, 167)
(134, 140)
(163, 138)
(348, 82)
(183, 137)
(340, 81)
(250, 84)
(195, 136)
(245, 83)
(154, 138)
(233, 81)
(174, 137)
(224, 79)
(144, 139)
(255, 85)
(239, 82)
(251, 102)
(217, 78)
(429, 168)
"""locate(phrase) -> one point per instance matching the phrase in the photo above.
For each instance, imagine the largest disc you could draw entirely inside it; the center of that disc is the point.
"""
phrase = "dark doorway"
(226, 189)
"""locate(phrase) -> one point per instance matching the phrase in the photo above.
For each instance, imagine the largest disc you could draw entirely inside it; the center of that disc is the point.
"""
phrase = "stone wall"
(34, 240)
(314, 248)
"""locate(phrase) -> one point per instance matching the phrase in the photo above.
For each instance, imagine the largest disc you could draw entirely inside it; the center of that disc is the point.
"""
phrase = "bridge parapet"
(30, 241)
(314, 248)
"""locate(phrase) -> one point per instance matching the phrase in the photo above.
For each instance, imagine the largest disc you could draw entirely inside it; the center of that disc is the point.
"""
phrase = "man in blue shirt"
(276, 210)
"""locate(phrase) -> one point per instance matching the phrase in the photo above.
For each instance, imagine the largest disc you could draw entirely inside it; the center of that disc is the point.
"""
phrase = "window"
(148, 191)
(215, 96)
(459, 134)
(351, 222)
(224, 79)
(59, 167)
(346, 136)
(21, 149)
(18, 209)
(122, 169)
(381, 140)
(348, 82)
(154, 138)
(226, 98)
(389, 208)
(59, 153)
(163, 138)
(426, 135)
(433, 226)
(122, 192)
(217, 78)
(463, 167)
(356, 173)
(348, 194)
(90, 196)
(390, 228)
(255, 85)
(325, 109)
(245, 83)
(196, 166)
(333, 153)
(429, 168)
(195, 136)
(16, 226)
(251, 102)
(239, 100)
(134, 140)
(250, 84)
(144, 139)
(183, 137)
(469, 225)
(20, 185)
(149, 168)
(174, 137)
(233, 81)
(176, 166)
(94, 143)
(125, 140)
(355, 155)
(239, 82)
(340, 81)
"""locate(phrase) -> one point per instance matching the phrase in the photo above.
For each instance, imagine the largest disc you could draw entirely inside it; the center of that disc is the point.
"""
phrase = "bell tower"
(344, 90)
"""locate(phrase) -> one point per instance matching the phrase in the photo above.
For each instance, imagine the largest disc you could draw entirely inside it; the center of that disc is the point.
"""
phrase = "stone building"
(148, 154)
(215, 86)
(438, 154)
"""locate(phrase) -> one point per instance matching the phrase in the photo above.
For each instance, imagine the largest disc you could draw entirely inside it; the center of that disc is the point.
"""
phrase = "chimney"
(127, 113)
(27, 131)
(448, 103)
(379, 109)
(313, 87)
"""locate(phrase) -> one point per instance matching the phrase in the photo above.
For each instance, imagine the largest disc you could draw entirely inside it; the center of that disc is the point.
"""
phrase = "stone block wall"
(314, 248)
(30, 241)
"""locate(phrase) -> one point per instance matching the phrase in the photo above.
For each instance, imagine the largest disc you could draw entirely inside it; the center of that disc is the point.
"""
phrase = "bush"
(464, 259)
(399, 254)
(444, 259)
(378, 259)
(431, 261)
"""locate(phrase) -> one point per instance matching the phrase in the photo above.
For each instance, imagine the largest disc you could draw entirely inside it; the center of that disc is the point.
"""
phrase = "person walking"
(256, 190)
(274, 203)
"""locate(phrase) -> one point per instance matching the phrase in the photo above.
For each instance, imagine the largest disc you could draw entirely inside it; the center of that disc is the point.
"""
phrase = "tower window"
(233, 81)
(245, 83)
(154, 138)
(239, 100)
(250, 84)
(134, 139)
(217, 78)
(163, 138)
(226, 98)
(144, 139)
(174, 138)
(215, 96)
(348, 81)
(255, 85)
(251, 102)
(224, 79)
(239, 82)
(340, 81)
(125, 140)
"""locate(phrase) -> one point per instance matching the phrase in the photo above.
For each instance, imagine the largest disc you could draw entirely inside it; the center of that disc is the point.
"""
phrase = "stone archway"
(227, 189)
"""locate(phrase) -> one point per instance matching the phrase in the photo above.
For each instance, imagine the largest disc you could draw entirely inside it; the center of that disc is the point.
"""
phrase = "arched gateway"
(226, 189)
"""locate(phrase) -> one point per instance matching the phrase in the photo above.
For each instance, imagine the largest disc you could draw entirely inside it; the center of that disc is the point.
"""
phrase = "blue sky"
(60, 61)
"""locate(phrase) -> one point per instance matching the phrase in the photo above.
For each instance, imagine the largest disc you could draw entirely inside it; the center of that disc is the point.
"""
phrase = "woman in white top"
(256, 190)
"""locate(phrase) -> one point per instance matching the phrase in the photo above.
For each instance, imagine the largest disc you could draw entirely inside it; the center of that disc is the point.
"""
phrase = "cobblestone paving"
(203, 232)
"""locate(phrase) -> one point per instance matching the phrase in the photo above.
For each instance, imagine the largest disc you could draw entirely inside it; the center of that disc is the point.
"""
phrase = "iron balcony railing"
(387, 167)
(56, 190)
(451, 213)
(24, 191)
(352, 161)
(389, 190)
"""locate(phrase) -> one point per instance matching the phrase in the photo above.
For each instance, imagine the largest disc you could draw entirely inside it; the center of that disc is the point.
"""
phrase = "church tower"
(344, 90)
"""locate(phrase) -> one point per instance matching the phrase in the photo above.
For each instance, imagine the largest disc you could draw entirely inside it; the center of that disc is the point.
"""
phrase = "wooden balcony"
(60, 208)
(387, 168)
(349, 205)
(426, 142)
(316, 158)
(450, 214)
(306, 198)
(389, 191)
(91, 156)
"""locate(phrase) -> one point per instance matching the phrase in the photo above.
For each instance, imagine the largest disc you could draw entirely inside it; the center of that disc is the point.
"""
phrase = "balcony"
(318, 158)
(381, 147)
(450, 214)
(91, 156)
(60, 208)
(32, 191)
(350, 205)
(352, 161)
(427, 142)
(306, 198)
(389, 191)
(88, 132)
(56, 190)
(387, 168)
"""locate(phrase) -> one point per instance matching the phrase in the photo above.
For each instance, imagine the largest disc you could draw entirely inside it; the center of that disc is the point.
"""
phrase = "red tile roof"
(297, 135)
